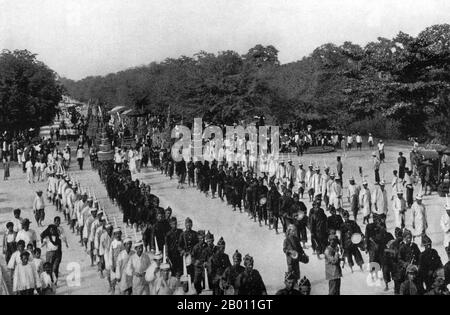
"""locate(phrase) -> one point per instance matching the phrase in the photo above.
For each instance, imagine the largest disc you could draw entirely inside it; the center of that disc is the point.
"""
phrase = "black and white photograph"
(238, 149)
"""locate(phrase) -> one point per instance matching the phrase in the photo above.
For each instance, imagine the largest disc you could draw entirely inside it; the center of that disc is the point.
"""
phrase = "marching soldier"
(429, 263)
(249, 282)
(353, 197)
(365, 202)
(351, 250)
(188, 239)
(172, 242)
(231, 273)
(218, 263)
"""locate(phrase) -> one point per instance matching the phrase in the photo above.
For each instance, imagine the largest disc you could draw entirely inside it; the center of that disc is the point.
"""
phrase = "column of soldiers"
(156, 258)
(274, 198)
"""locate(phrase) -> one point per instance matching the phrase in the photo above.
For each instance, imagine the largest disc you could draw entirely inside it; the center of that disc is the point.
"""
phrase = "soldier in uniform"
(191, 172)
(160, 229)
(351, 250)
(286, 203)
(249, 282)
(186, 243)
(273, 206)
(289, 280)
(214, 173)
(172, 242)
(261, 207)
(221, 180)
(231, 273)
(218, 263)
(429, 263)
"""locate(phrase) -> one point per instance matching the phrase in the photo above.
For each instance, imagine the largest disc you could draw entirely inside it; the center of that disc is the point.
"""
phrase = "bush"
(379, 126)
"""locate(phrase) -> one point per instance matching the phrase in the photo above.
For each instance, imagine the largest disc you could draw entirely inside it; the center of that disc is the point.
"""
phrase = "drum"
(356, 238)
(300, 215)
(294, 254)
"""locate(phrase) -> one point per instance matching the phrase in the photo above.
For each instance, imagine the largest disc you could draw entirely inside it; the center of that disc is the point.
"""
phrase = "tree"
(29, 92)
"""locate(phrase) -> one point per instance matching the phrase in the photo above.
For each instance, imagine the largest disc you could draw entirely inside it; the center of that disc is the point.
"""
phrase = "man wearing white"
(336, 193)
(399, 207)
(300, 178)
(380, 200)
(419, 216)
(317, 182)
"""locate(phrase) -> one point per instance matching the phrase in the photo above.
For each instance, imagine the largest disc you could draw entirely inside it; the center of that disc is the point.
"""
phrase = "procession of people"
(147, 253)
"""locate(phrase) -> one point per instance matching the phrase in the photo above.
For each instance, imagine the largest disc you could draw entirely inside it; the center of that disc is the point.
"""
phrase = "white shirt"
(29, 166)
(27, 236)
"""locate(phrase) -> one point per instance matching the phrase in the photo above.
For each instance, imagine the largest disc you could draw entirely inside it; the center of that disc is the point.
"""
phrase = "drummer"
(351, 239)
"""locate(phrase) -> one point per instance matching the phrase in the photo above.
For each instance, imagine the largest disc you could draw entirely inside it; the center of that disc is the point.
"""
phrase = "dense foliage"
(29, 91)
(392, 87)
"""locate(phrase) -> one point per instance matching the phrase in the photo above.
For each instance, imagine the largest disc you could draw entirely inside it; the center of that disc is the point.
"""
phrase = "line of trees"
(394, 88)
(29, 92)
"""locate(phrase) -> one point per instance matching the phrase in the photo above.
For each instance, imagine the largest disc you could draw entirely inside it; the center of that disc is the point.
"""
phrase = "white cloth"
(379, 201)
(399, 208)
(25, 277)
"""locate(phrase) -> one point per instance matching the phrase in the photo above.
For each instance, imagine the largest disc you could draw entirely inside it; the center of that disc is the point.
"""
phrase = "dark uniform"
(218, 263)
(348, 228)
(172, 242)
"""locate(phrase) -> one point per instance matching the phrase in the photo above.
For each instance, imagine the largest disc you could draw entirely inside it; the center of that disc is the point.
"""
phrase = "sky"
(79, 38)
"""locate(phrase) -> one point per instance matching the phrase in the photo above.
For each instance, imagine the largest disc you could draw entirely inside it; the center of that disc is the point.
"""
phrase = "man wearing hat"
(333, 270)
(186, 243)
(201, 253)
(380, 199)
(351, 250)
(218, 263)
(309, 181)
(324, 186)
(290, 174)
(172, 242)
(294, 251)
(429, 263)
(353, 197)
(419, 218)
(231, 273)
(165, 284)
(281, 174)
(125, 281)
(250, 282)
(289, 281)
(300, 179)
(336, 193)
(399, 209)
(318, 228)
(445, 224)
(317, 181)
(137, 266)
(408, 183)
(376, 166)
(411, 285)
(409, 253)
